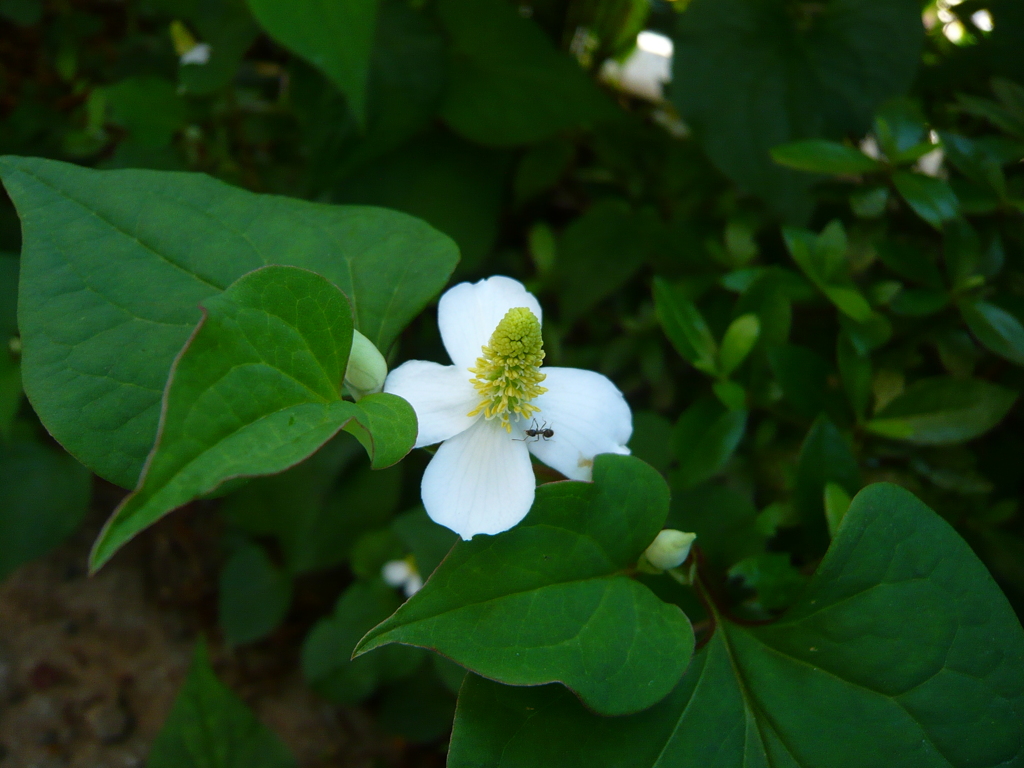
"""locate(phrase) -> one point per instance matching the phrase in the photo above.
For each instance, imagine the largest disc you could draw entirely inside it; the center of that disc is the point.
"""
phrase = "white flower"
(401, 574)
(198, 54)
(490, 412)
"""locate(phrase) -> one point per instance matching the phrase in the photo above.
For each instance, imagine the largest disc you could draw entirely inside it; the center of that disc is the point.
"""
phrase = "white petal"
(588, 416)
(441, 395)
(480, 481)
(468, 313)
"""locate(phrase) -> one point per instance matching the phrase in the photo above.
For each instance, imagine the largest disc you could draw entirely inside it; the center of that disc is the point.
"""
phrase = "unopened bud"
(367, 368)
(669, 549)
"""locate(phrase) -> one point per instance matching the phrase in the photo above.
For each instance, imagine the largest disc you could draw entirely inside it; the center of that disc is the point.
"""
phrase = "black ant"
(543, 431)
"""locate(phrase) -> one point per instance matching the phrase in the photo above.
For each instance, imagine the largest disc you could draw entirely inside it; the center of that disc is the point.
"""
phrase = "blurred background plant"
(790, 231)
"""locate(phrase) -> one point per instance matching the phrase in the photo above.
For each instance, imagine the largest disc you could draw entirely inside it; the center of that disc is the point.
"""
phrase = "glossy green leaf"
(254, 595)
(821, 156)
(750, 75)
(274, 346)
(327, 661)
(210, 727)
(902, 651)
(855, 370)
(507, 83)
(562, 609)
(44, 494)
(996, 328)
(685, 327)
(931, 199)
(336, 37)
(943, 411)
(704, 439)
(132, 269)
(823, 258)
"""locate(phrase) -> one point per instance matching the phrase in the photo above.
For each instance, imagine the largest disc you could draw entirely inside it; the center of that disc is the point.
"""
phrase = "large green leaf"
(116, 263)
(44, 494)
(548, 601)
(753, 74)
(943, 410)
(255, 391)
(507, 83)
(336, 37)
(210, 727)
(902, 651)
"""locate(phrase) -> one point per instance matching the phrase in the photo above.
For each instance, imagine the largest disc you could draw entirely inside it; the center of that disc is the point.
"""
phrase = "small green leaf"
(740, 337)
(943, 411)
(175, 241)
(685, 327)
(931, 199)
(996, 328)
(274, 346)
(327, 661)
(44, 494)
(901, 651)
(254, 595)
(562, 610)
(822, 156)
(210, 727)
(335, 37)
(704, 439)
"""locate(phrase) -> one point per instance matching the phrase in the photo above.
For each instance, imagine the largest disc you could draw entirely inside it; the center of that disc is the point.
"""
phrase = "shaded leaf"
(931, 199)
(943, 411)
(507, 83)
(44, 494)
(336, 37)
(210, 727)
(254, 595)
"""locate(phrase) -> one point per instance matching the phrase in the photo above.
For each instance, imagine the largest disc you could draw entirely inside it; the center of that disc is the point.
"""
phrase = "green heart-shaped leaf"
(256, 390)
(115, 264)
(902, 651)
(548, 601)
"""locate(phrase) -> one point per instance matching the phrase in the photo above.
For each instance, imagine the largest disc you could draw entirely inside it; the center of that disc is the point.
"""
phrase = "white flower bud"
(669, 549)
(396, 573)
(367, 368)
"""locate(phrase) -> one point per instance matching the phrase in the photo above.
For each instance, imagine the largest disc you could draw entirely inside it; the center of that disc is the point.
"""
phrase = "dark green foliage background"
(889, 335)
